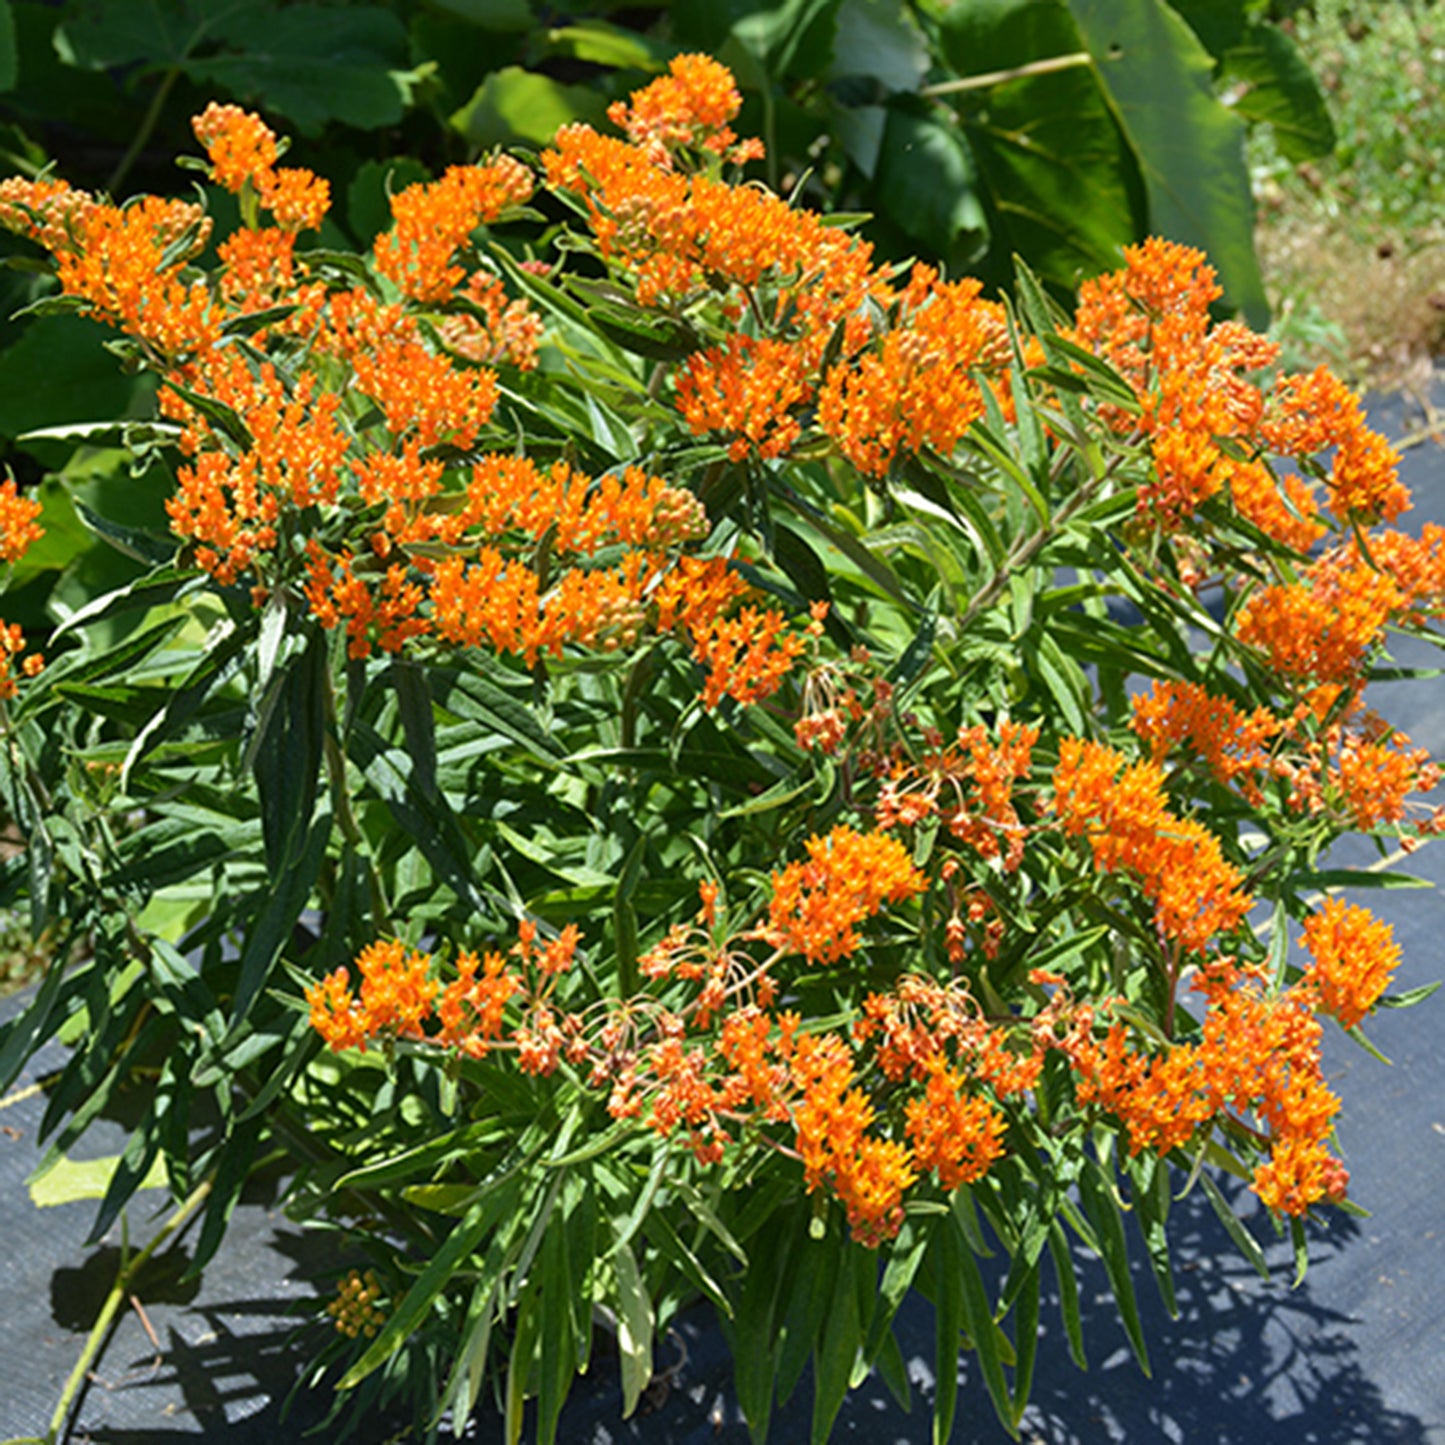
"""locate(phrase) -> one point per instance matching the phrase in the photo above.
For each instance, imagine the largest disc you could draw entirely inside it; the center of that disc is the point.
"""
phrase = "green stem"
(145, 130)
(125, 1277)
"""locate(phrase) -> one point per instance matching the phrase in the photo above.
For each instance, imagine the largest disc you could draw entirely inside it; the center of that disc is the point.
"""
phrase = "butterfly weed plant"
(661, 759)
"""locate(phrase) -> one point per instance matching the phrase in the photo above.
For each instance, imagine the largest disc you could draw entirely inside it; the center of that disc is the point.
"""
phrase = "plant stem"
(990, 78)
(144, 131)
(124, 1278)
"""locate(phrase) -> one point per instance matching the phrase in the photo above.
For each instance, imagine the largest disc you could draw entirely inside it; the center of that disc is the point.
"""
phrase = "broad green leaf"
(513, 105)
(68, 1180)
(368, 209)
(878, 39)
(503, 16)
(1269, 82)
(1063, 183)
(599, 43)
(1190, 148)
(103, 34)
(925, 181)
(313, 64)
(59, 371)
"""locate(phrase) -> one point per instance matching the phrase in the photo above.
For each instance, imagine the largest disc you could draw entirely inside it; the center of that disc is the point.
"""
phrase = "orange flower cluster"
(229, 499)
(434, 220)
(243, 151)
(18, 528)
(492, 329)
(1257, 1055)
(917, 388)
(1324, 628)
(1209, 425)
(1311, 413)
(1233, 745)
(1354, 954)
(1196, 892)
(748, 389)
(395, 998)
(1376, 771)
(125, 263)
(969, 786)
(422, 395)
(1150, 321)
(847, 878)
(688, 108)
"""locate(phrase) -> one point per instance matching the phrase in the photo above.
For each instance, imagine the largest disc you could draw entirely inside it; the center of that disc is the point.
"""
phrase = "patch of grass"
(1353, 246)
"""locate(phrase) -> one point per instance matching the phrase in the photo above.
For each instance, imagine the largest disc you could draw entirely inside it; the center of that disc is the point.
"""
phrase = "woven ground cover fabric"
(1354, 1356)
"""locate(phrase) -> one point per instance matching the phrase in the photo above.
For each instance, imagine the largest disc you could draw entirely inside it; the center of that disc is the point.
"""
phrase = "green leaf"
(513, 105)
(498, 1203)
(925, 181)
(1063, 184)
(842, 1338)
(9, 61)
(1096, 1194)
(634, 1327)
(1330, 879)
(978, 1320)
(502, 16)
(1068, 1293)
(1235, 1227)
(1026, 1335)
(67, 1180)
(470, 696)
(1409, 998)
(287, 754)
(284, 902)
(57, 372)
(1190, 148)
(1271, 83)
(599, 43)
(947, 1280)
(313, 64)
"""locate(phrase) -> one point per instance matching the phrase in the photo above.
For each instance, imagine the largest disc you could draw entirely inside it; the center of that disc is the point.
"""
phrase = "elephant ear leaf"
(1190, 147)
(1272, 84)
(1063, 184)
